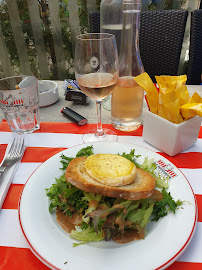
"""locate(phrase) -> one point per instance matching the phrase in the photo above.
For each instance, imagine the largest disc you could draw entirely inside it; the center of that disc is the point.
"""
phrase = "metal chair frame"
(194, 71)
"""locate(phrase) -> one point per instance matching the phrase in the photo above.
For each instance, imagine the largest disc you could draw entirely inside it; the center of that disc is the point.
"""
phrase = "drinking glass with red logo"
(19, 101)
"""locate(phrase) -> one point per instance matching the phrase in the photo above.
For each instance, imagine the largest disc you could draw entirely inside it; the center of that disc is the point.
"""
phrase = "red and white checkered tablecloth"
(55, 137)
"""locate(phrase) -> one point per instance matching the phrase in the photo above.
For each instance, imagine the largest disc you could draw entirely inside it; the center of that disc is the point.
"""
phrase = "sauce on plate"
(66, 222)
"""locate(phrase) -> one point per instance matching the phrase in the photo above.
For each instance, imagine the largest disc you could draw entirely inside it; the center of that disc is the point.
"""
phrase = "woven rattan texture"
(160, 39)
(195, 53)
(94, 20)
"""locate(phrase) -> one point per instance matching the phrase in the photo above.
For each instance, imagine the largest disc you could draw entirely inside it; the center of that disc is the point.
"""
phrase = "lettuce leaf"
(87, 235)
(84, 152)
(162, 208)
(149, 166)
(66, 197)
(131, 156)
(90, 197)
(141, 216)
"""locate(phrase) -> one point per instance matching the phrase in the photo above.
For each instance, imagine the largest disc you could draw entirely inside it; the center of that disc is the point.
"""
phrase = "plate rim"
(164, 265)
(43, 260)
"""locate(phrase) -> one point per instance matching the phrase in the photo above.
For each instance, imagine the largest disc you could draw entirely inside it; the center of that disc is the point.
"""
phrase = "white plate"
(164, 243)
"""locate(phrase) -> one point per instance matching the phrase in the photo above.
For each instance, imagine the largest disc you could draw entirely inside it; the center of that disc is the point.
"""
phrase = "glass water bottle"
(111, 22)
(111, 19)
(127, 98)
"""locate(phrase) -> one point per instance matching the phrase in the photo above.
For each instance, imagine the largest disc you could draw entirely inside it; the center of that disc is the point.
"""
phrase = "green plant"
(47, 34)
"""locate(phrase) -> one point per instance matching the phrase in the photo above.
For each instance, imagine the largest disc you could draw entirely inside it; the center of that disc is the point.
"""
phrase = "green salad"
(105, 217)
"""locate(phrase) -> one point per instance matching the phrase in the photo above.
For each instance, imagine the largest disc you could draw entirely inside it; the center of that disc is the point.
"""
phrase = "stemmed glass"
(96, 70)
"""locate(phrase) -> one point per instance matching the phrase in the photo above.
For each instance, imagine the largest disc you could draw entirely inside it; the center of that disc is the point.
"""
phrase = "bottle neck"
(130, 60)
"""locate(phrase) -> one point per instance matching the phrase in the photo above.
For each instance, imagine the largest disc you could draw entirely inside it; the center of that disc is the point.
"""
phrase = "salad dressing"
(66, 222)
(128, 236)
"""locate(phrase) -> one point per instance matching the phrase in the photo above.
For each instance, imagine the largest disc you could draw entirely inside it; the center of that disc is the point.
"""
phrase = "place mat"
(55, 137)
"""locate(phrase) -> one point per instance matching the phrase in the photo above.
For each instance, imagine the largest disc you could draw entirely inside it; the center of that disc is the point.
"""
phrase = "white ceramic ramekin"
(169, 137)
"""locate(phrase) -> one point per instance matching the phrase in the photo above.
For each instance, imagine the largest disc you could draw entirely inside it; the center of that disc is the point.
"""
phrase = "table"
(53, 138)
(53, 113)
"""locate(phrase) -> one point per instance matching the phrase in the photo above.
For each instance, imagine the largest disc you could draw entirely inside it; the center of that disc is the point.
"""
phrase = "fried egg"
(110, 169)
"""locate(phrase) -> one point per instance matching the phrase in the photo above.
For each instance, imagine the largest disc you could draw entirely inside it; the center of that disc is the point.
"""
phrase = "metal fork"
(14, 154)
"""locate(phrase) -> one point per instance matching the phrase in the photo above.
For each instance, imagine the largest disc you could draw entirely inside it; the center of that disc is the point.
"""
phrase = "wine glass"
(96, 70)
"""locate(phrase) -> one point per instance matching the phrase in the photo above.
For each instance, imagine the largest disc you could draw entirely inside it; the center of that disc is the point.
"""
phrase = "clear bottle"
(111, 16)
(127, 97)
(111, 19)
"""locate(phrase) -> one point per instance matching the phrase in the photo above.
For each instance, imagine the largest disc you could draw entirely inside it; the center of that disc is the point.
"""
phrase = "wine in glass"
(96, 70)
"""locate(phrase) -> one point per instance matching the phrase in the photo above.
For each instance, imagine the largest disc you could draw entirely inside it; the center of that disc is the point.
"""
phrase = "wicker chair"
(194, 71)
(94, 20)
(161, 37)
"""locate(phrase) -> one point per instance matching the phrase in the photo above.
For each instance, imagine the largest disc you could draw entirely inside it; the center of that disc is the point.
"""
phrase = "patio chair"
(94, 20)
(194, 71)
(160, 39)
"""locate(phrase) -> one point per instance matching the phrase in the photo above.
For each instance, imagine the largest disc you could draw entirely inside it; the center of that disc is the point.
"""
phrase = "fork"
(14, 154)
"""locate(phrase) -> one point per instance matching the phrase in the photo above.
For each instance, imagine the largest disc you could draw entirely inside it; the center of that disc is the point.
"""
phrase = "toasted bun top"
(110, 169)
(142, 186)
